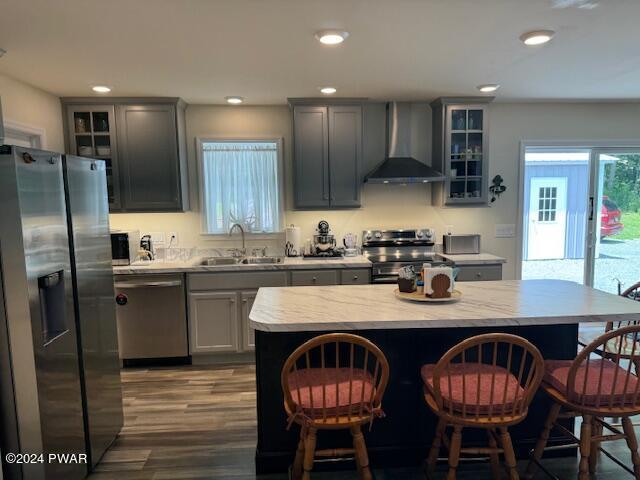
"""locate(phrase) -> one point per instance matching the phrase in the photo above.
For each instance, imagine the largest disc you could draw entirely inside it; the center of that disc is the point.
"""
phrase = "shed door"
(547, 218)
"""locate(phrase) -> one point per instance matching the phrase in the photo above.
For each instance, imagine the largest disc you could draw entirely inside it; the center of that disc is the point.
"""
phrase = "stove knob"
(368, 236)
(419, 234)
(378, 235)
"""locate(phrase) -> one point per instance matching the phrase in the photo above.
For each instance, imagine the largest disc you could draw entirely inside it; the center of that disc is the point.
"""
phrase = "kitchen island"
(546, 312)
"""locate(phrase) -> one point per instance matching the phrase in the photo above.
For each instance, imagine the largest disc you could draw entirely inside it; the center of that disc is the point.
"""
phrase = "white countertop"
(483, 304)
(473, 258)
(290, 263)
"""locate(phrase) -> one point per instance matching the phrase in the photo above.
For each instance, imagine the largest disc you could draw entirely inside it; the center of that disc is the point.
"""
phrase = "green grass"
(631, 222)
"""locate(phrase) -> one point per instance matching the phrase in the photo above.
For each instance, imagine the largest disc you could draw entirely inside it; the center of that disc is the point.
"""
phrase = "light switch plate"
(158, 239)
(505, 230)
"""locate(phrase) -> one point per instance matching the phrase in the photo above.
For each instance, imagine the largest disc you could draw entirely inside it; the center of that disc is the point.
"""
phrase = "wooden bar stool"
(595, 387)
(334, 381)
(587, 337)
(485, 382)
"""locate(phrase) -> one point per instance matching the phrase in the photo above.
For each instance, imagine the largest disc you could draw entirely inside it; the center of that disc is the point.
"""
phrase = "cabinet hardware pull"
(355, 277)
(232, 301)
(314, 279)
(244, 300)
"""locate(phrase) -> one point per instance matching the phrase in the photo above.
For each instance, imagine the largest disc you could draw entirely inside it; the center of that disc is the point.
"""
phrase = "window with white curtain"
(240, 185)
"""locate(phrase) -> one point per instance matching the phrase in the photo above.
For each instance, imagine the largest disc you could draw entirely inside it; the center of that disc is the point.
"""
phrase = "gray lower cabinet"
(213, 322)
(327, 155)
(360, 276)
(314, 277)
(220, 303)
(248, 335)
(475, 273)
(219, 307)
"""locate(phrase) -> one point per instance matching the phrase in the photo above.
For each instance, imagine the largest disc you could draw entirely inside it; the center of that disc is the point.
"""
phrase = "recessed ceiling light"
(537, 37)
(489, 87)
(101, 89)
(234, 100)
(328, 90)
(331, 37)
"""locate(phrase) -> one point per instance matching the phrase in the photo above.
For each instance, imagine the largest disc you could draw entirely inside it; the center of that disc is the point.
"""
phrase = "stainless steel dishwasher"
(152, 319)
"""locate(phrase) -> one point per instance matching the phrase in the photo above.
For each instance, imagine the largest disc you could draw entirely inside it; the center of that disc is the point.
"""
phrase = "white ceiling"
(265, 50)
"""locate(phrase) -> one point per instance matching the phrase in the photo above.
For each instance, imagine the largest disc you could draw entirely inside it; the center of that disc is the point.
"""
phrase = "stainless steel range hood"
(399, 166)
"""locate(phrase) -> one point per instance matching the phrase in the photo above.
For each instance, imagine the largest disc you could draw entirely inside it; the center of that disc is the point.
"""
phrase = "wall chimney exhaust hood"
(400, 166)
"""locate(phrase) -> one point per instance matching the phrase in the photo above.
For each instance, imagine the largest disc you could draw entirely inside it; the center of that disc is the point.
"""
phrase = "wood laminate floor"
(199, 423)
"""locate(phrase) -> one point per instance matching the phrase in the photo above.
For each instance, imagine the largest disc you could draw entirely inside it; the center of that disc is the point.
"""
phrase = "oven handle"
(172, 283)
(385, 279)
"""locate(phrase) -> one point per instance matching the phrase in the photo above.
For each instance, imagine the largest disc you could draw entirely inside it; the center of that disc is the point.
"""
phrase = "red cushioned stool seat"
(338, 393)
(467, 375)
(557, 373)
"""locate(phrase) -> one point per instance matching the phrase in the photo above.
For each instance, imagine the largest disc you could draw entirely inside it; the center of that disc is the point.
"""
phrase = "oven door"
(387, 272)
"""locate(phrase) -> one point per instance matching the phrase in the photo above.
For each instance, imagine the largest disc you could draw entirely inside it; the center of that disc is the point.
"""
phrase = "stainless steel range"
(389, 250)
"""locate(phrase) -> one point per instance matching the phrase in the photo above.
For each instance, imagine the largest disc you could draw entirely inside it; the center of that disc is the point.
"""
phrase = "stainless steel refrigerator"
(59, 324)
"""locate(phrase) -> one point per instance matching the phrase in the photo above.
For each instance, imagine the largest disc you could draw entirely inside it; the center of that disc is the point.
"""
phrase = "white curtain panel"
(241, 184)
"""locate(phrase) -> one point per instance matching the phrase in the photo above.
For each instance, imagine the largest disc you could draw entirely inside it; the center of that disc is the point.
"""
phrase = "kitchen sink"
(261, 260)
(212, 261)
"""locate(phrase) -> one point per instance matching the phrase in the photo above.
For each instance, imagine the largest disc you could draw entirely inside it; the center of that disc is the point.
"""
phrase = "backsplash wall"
(393, 205)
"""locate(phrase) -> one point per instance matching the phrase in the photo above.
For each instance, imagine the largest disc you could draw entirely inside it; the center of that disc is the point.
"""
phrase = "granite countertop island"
(544, 312)
(483, 304)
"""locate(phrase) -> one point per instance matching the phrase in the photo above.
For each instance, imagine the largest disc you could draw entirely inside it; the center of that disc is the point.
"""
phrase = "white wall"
(404, 206)
(33, 107)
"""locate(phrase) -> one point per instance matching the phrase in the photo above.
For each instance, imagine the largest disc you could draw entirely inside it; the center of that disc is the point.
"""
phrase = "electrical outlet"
(449, 229)
(172, 238)
(505, 230)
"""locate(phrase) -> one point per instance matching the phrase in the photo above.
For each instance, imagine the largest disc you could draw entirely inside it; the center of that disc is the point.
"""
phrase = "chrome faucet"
(238, 226)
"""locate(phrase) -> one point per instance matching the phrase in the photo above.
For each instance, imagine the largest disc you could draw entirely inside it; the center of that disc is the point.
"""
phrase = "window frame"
(278, 140)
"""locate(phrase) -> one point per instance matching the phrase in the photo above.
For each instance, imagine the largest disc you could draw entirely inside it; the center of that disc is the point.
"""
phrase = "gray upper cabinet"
(327, 155)
(311, 151)
(345, 154)
(91, 133)
(147, 149)
(151, 173)
(460, 150)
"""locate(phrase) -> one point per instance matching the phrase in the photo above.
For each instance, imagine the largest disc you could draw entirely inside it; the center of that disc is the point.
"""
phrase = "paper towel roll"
(293, 241)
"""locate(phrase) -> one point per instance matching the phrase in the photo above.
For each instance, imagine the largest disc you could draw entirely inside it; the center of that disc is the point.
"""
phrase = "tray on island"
(421, 297)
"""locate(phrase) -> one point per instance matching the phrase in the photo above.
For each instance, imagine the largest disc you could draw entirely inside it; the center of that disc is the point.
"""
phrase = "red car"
(610, 215)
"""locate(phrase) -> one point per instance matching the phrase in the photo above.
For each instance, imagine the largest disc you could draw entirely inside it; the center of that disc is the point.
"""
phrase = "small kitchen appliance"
(460, 244)
(350, 242)
(146, 248)
(324, 242)
(124, 246)
(389, 250)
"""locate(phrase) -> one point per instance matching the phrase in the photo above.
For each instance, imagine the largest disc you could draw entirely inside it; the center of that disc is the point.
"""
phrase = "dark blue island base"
(404, 436)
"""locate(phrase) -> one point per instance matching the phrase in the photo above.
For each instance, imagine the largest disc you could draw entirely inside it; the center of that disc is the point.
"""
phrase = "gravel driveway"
(619, 260)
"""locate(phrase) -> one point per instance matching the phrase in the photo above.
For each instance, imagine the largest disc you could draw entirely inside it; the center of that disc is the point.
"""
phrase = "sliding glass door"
(615, 227)
(554, 223)
(581, 216)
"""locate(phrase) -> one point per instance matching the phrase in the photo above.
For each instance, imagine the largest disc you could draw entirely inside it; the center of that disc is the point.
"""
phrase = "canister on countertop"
(293, 241)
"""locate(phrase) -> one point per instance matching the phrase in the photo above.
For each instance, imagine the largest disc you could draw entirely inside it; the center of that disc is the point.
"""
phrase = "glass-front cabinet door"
(92, 134)
(465, 154)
